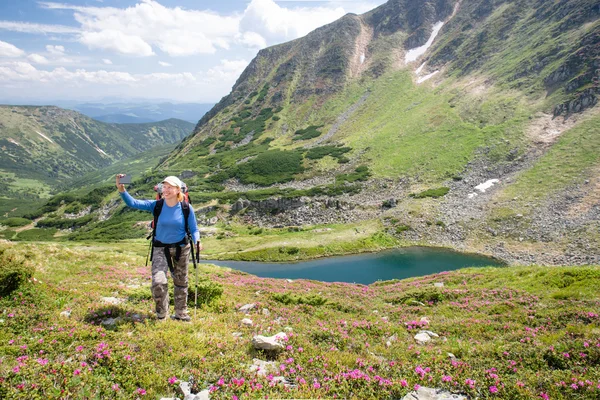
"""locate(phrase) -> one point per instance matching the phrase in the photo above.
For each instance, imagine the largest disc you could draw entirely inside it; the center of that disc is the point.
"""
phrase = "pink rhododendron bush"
(82, 327)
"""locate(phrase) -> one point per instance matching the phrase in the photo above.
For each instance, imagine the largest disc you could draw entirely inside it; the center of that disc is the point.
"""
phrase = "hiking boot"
(161, 318)
(181, 317)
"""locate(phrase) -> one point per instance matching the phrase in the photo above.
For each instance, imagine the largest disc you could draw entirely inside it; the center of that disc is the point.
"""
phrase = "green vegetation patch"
(309, 299)
(15, 221)
(15, 271)
(513, 333)
(307, 133)
(273, 166)
(36, 235)
(435, 193)
(361, 174)
(319, 152)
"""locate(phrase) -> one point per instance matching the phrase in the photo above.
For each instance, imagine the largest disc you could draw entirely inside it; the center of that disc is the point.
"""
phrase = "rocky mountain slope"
(419, 96)
(471, 124)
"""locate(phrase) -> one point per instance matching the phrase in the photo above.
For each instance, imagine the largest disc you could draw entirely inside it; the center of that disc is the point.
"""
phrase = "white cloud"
(56, 50)
(228, 71)
(106, 61)
(276, 24)
(176, 31)
(117, 41)
(10, 50)
(164, 64)
(38, 59)
(253, 40)
(26, 27)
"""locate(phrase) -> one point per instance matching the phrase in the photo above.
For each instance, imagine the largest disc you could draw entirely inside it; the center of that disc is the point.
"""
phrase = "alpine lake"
(366, 268)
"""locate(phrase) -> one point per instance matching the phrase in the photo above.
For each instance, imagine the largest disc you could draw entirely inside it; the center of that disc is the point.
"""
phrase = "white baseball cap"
(173, 181)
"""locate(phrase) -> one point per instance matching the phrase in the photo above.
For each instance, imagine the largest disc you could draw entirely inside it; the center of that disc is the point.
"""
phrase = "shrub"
(34, 235)
(438, 192)
(426, 295)
(270, 167)
(360, 174)
(73, 208)
(15, 221)
(321, 151)
(307, 133)
(402, 228)
(139, 294)
(309, 299)
(208, 291)
(14, 272)
(289, 250)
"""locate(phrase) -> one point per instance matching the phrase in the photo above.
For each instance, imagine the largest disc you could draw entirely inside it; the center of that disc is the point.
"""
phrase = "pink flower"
(446, 378)
(316, 384)
(115, 387)
(173, 380)
(77, 372)
(417, 386)
(403, 383)
(493, 389)
(141, 391)
(544, 396)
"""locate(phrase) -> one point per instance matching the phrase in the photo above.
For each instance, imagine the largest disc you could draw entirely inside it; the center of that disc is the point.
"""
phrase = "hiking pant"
(160, 288)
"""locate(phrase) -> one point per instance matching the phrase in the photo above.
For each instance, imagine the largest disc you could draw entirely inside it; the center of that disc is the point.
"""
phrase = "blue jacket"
(171, 226)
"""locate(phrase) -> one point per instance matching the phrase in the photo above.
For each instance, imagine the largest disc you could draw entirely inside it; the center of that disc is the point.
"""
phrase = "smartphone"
(125, 179)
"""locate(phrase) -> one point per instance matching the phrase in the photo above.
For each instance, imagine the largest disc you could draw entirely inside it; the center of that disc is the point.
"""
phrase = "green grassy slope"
(513, 333)
(50, 144)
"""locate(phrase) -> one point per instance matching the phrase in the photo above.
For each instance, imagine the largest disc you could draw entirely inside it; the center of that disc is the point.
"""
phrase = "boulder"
(247, 307)
(425, 393)
(269, 342)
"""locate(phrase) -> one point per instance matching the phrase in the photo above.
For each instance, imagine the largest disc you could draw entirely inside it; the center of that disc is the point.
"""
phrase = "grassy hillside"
(52, 145)
(504, 333)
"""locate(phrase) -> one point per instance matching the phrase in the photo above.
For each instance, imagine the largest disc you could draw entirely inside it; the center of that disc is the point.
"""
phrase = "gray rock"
(422, 338)
(425, 393)
(247, 307)
(247, 322)
(112, 300)
(269, 342)
(66, 314)
(188, 395)
(263, 368)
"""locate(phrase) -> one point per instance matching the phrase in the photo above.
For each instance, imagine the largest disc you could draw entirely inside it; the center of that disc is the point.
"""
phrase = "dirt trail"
(360, 60)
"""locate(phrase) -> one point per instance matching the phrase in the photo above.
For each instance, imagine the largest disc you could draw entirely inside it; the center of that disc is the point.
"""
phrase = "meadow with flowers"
(503, 333)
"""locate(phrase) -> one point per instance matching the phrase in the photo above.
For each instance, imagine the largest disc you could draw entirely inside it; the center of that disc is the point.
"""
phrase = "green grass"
(520, 330)
(569, 161)
(422, 133)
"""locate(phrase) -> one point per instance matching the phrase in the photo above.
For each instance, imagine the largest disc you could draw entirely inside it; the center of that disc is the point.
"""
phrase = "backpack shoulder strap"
(185, 207)
(157, 209)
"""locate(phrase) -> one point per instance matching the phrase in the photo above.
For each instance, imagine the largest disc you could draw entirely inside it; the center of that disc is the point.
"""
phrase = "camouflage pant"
(160, 288)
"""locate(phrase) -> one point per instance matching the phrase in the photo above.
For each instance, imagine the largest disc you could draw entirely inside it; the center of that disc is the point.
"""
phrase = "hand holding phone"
(124, 179)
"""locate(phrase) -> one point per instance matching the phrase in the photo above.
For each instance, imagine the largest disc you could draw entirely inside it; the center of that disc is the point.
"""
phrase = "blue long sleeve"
(171, 225)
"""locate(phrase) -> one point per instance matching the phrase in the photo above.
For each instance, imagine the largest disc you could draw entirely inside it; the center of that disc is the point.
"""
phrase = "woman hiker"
(171, 247)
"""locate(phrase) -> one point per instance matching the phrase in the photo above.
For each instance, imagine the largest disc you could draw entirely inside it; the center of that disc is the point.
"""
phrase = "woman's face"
(169, 191)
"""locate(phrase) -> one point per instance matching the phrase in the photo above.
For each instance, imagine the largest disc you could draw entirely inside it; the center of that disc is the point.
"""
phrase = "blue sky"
(89, 50)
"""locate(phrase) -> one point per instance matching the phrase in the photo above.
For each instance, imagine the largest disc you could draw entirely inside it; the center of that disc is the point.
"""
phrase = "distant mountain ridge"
(127, 112)
(54, 144)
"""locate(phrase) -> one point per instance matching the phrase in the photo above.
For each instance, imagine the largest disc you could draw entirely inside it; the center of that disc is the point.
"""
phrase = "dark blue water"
(366, 268)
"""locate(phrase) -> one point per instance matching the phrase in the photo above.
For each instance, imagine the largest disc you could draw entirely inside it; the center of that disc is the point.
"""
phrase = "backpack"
(185, 208)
